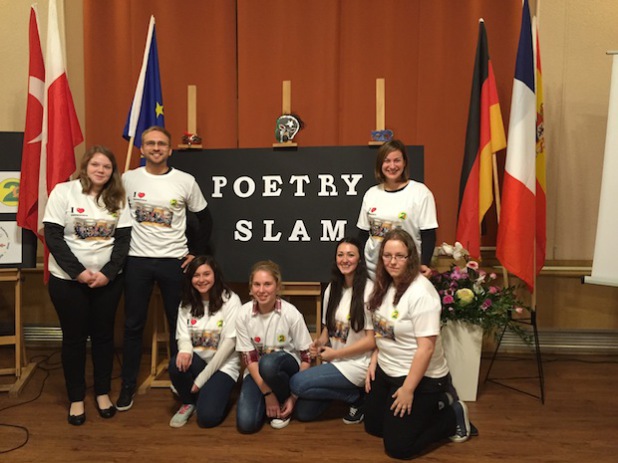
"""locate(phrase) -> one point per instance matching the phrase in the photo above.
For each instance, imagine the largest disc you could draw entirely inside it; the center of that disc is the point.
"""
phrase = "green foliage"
(470, 294)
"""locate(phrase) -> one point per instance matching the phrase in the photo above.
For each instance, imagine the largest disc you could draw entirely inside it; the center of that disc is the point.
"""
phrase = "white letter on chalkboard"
(327, 182)
(351, 180)
(218, 183)
(270, 185)
(330, 233)
(268, 231)
(300, 181)
(299, 229)
(243, 230)
(250, 186)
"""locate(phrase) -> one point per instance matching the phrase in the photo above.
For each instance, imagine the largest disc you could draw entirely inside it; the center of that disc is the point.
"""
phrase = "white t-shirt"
(158, 206)
(89, 227)
(203, 335)
(353, 368)
(283, 329)
(396, 328)
(412, 208)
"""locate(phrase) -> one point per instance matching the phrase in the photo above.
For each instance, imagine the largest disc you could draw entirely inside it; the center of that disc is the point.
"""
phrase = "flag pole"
(494, 163)
(127, 163)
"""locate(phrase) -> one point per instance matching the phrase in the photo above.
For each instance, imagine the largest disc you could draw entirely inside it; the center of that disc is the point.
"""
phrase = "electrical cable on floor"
(46, 367)
(42, 365)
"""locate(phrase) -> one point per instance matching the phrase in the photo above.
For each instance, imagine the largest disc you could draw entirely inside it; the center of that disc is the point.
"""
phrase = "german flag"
(484, 137)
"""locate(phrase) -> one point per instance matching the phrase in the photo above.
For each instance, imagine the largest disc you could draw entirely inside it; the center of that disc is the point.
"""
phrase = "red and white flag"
(61, 131)
(28, 206)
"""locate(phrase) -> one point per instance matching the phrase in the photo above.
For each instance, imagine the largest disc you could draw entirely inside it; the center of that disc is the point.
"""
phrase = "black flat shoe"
(106, 412)
(76, 420)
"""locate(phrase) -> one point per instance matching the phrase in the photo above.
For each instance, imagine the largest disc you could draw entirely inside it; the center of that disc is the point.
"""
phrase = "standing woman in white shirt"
(397, 202)
(408, 375)
(206, 367)
(345, 343)
(87, 230)
(274, 342)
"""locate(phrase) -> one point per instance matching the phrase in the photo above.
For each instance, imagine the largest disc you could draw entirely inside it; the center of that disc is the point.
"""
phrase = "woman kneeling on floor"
(274, 343)
(206, 367)
(345, 344)
(408, 378)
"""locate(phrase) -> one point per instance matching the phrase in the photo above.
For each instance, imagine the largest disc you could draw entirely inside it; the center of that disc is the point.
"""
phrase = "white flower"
(456, 252)
(445, 250)
(459, 251)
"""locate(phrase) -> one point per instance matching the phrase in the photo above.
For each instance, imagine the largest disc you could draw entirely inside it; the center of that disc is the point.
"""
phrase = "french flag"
(516, 233)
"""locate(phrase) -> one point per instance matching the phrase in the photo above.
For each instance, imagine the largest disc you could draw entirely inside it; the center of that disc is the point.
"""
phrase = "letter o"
(250, 186)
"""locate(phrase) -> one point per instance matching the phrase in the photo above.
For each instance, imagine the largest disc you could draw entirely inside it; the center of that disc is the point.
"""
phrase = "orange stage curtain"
(239, 52)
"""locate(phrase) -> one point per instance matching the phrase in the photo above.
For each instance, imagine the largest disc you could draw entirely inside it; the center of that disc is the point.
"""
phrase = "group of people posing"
(379, 350)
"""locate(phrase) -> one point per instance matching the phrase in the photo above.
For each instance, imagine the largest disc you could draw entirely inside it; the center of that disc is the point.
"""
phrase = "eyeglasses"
(397, 257)
(160, 144)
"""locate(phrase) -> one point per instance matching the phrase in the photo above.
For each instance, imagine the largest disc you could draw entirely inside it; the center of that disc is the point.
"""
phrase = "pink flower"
(486, 304)
(493, 276)
(519, 310)
(446, 300)
(493, 290)
(473, 265)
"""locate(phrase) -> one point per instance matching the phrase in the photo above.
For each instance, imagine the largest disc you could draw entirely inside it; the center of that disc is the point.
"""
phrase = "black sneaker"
(462, 432)
(125, 399)
(355, 414)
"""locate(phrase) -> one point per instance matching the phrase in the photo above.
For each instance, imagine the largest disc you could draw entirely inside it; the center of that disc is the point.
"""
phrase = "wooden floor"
(578, 423)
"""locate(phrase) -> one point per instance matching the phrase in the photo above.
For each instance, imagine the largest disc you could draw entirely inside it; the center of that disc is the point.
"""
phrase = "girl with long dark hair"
(206, 367)
(345, 342)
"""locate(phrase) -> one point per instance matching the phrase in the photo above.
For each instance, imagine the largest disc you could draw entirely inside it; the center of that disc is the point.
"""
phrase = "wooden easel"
(191, 117)
(286, 108)
(296, 288)
(160, 335)
(23, 369)
(380, 110)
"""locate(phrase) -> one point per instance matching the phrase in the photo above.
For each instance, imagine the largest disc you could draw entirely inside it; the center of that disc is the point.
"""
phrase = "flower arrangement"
(470, 294)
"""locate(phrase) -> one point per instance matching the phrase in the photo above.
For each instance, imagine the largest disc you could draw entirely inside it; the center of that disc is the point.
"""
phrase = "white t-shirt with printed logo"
(158, 205)
(353, 368)
(397, 327)
(285, 330)
(89, 227)
(411, 208)
(202, 335)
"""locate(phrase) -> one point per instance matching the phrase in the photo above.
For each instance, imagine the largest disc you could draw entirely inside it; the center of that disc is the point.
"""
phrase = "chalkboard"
(289, 206)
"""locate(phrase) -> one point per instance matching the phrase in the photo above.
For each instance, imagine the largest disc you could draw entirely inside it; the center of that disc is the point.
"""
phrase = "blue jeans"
(317, 387)
(212, 400)
(276, 369)
(141, 273)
